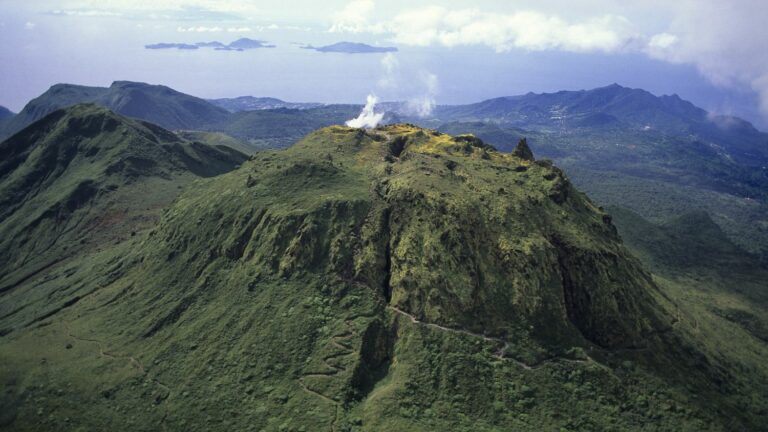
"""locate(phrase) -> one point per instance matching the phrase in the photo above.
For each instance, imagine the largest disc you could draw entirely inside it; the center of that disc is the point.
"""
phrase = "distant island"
(238, 45)
(351, 48)
(163, 45)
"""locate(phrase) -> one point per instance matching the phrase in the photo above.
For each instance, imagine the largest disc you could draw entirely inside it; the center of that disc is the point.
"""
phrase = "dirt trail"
(131, 360)
(501, 353)
(337, 341)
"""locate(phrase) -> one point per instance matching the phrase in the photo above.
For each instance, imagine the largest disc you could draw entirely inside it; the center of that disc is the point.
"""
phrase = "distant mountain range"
(673, 156)
(617, 107)
(351, 48)
(238, 45)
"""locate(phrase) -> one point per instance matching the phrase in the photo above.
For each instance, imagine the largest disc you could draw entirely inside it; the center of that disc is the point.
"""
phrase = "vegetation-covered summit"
(393, 279)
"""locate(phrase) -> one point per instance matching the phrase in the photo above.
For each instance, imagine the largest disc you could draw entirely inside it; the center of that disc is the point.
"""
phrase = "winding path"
(340, 342)
(131, 360)
(501, 353)
(337, 341)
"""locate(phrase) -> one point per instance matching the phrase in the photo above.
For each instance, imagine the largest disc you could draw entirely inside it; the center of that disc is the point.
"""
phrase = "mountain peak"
(5, 113)
(615, 86)
(123, 83)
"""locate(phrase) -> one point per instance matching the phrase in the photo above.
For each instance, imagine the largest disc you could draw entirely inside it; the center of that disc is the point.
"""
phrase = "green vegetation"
(282, 127)
(84, 178)
(396, 279)
(217, 139)
(655, 175)
(743, 220)
(158, 104)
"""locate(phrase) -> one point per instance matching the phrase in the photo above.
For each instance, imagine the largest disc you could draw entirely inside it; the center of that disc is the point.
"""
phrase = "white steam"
(421, 92)
(368, 118)
(423, 104)
(391, 76)
(420, 100)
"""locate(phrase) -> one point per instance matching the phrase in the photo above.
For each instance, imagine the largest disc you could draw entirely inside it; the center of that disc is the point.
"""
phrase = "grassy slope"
(217, 139)
(264, 301)
(80, 180)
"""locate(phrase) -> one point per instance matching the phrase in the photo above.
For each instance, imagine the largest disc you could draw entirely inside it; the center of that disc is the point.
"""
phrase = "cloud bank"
(725, 41)
(436, 25)
(526, 29)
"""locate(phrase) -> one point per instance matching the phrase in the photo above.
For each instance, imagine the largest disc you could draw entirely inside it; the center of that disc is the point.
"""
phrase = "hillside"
(394, 279)
(158, 104)
(83, 178)
(692, 244)
(281, 127)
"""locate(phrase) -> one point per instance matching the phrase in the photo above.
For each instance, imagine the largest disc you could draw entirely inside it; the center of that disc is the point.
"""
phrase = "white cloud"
(86, 13)
(527, 30)
(355, 17)
(215, 29)
(662, 41)
(231, 6)
(161, 10)
(530, 30)
(199, 29)
(725, 41)
(296, 28)
(29, 25)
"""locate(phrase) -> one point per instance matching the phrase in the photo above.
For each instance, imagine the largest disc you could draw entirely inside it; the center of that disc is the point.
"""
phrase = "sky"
(452, 51)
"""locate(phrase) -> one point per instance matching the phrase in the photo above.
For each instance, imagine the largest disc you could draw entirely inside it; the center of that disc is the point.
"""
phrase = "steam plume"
(368, 118)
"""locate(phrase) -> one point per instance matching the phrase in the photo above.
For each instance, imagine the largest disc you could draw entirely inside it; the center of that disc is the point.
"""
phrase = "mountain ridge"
(160, 104)
(65, 179)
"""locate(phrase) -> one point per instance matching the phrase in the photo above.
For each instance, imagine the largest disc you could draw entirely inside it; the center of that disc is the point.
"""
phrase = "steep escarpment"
(392, 279)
